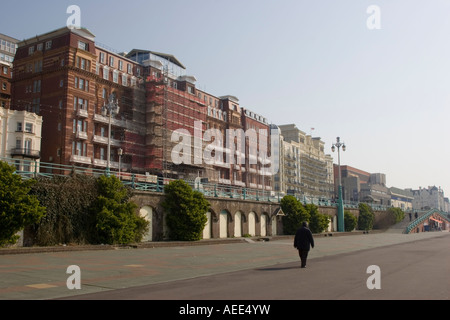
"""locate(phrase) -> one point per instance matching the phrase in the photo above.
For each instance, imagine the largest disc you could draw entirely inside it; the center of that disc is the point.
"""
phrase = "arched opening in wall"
(274, 222)
(207, 230)
(147, 213)
(264, 224)
(238, 224)
(223, 224)
(252, 223)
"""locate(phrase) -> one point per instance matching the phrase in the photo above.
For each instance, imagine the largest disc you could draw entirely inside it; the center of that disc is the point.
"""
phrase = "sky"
(385, 91)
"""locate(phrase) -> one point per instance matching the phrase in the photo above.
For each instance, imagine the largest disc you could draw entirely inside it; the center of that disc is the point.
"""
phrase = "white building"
(305, 169)
(20, 138)
(430, 198)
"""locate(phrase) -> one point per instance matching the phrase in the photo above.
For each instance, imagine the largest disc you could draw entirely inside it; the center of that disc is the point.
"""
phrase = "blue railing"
(34, 169)
(418, 221)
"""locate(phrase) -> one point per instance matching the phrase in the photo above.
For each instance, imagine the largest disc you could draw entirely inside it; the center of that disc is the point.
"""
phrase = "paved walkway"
(36, 276)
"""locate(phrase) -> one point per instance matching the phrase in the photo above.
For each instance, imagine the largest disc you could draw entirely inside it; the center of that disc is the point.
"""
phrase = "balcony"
(114, 122)
(82, 135)
(82, 113)
(24, 152)
(80, 159)
(104, 140)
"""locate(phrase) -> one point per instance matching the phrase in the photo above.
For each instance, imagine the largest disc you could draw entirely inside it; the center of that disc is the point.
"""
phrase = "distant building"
(306, 169)
(8, 47)
(20, 138)
(429, 198)
(401, 198)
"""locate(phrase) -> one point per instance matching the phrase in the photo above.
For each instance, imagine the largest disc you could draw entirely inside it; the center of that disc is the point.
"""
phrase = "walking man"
(303, 241)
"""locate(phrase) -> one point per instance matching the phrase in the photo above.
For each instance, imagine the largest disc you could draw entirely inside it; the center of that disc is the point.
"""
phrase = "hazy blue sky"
(385, 92)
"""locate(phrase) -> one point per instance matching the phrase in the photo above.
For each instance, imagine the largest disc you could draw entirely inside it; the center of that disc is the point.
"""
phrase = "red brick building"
(67, 78)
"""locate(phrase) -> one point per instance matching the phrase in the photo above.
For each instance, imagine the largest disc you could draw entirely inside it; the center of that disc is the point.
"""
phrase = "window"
(38, 66)
(120, 65)
(19, 127)
(28, 145)
(124, 80)
(111, 61)
(40, 47)
(102, 153)
(48, 45)
(29, 127)
(30, 50)
(102, 57)
(18, 144)
(5, 70)
(106, 73)
(4, 85)
(76, 82)
(81, 84)
(83, 45)
(130, 68)
(116, 76)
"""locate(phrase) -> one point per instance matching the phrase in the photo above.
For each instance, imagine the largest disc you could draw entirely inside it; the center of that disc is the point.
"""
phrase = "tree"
(18, 208)
(295, 214)
(318, 222)
(397, 213)
(366, 217)
(186, 211)
(350, 221)
(117, 221)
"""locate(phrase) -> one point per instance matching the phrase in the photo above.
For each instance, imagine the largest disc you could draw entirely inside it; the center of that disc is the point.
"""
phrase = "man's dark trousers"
(303, 254)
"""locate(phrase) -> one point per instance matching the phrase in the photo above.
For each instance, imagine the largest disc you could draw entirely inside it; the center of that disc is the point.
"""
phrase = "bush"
(117, 221)
(366, 217)
(18, 208)
(318, 222)
(397, 213)
(295, 214)
(350, 221)
(186, 211)
(68, 201)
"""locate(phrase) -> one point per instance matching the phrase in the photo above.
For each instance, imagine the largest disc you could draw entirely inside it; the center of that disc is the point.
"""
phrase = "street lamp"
(112, 108)
(120, 153)
(338, 145)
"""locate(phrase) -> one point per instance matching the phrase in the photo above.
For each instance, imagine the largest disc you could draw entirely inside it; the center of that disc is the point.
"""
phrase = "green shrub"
(366, 217)
(186, 211)
(18, 208)
(117, 221)
(350, 221)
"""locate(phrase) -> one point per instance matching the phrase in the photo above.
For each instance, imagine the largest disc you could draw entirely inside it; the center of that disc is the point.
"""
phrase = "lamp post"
(112, 108)
(120, 153)
(338, 145)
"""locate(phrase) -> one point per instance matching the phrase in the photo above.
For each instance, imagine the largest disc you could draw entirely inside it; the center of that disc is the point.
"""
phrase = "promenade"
(43, 275)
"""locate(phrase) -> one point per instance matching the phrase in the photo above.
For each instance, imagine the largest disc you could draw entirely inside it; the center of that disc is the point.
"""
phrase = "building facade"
(20, 138)
(8, 47)
(64, 77)
(307, 170)
(429, 198)
(139, 110)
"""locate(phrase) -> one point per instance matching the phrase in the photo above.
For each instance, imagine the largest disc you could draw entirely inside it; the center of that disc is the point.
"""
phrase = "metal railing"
(153, 183)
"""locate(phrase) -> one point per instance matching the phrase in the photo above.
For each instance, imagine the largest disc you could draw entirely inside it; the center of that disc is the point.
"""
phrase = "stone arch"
(238, 222)
(252, 218)
(224, 218)
(208, 229)
(146, 212)
(265, 224)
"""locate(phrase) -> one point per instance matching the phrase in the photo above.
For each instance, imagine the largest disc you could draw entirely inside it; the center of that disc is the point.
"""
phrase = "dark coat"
(303, 239)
